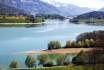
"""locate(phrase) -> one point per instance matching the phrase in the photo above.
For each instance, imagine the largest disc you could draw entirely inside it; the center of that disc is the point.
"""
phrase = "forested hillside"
(94, 14)
(7, 7)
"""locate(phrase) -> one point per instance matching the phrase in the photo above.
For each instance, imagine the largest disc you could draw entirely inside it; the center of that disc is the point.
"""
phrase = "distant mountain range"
(44, 7)
(67, 8)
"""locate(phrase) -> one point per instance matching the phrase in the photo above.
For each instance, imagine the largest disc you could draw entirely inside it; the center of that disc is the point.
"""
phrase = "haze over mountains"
(46, 7)
(102, 9)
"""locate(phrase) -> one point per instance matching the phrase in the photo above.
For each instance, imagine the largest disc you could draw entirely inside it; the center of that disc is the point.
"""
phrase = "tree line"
(87, 43)
(50, 16)
(30, 62)
(97, 36)
(84, 40)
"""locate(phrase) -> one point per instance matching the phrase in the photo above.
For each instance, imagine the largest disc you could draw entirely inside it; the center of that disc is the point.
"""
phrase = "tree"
(54, 45)
(62, 60)
(42, 58)
(75, 19)
(79, 44)
(83, 44)
(91, 42)
(87, 45)
(57, 45)
(80, 58)
(30, 61)
(13, 64)
(95, 59)
(48, 64)
(68, 44)
(74, 44)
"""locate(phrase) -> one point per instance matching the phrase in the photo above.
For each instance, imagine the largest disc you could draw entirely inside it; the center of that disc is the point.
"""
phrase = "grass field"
(58, 68)
(13, 17)
(92, 20)
(14, 20)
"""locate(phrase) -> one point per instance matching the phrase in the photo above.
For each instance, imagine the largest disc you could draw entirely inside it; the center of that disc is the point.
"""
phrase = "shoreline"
(20, 23)
(56, 51)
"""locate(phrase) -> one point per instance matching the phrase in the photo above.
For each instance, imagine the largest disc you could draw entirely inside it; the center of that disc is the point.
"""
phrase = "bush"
(80, 58)
(48, 64)
(13, 64)
(63, 60)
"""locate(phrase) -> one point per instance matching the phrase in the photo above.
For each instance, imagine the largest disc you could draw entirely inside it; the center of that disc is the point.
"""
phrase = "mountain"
(68, 8)
(43, 7)
(102, 9)
(7, 7)
(36, 6)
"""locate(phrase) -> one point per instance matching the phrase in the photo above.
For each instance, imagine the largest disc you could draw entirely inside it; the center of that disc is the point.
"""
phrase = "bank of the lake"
(57, 68)
(21, 24)
(57, 51)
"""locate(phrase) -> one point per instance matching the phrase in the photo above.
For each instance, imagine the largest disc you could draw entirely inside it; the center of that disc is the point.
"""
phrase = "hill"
(7, 7)
(94, 14)
(91, 17)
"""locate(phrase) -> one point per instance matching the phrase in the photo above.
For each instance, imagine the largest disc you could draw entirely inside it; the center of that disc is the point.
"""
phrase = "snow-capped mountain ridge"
(68, 8)
(56, 4)
(59, 4)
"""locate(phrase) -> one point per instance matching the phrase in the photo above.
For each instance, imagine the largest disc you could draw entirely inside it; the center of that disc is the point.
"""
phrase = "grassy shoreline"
(21, 24)
(55, 68)
(92, 21)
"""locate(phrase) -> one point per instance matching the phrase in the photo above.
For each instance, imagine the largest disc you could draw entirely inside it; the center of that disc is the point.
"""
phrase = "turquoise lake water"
(19, 39)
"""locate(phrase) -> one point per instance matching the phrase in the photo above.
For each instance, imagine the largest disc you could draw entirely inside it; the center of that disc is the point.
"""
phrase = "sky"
(85, 3)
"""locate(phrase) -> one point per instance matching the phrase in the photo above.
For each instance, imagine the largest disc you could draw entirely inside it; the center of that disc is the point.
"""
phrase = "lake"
(20, 39)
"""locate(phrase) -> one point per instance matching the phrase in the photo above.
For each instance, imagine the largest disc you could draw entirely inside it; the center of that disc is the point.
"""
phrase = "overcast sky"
(85, 3)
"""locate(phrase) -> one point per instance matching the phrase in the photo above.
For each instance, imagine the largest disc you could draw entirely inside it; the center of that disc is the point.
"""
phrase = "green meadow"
(58, 68)
(14, 20)
(92, 20)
